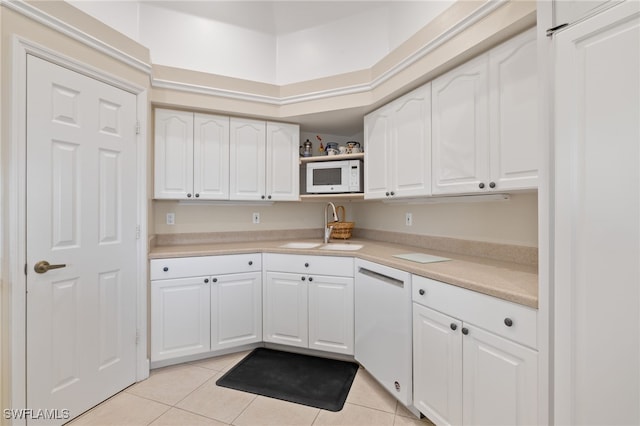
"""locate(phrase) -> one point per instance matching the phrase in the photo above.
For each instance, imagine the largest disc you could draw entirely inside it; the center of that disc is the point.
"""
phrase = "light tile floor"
(187, 394)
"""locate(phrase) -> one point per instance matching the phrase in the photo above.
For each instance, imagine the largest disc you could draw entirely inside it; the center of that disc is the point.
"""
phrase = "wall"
(15, 24)
(188, 41)
(513, 221)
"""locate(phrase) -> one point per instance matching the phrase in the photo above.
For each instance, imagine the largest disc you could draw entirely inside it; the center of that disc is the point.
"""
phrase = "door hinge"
(137, 337)
(551, 31)
(137, 232)
(26, 266)
(137, 127)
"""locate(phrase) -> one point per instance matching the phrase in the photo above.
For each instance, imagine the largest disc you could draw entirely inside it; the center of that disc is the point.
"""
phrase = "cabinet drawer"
(484, 311)
(303, 264)
(161, 269)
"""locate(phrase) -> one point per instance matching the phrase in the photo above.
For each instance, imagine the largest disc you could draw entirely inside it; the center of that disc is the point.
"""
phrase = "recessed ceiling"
(271, 17)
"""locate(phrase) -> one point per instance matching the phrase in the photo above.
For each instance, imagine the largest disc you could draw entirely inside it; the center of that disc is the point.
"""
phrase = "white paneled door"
(81, 219)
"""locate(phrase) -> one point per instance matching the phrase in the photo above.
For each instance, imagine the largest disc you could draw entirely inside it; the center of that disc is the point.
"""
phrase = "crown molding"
(480, 13)
(62, 27)
(36, 14)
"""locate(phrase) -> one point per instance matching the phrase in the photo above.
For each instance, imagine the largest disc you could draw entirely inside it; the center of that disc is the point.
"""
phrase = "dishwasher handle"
(381, 277)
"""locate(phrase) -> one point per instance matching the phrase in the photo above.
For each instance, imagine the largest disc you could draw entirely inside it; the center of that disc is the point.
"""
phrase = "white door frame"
(15, 250)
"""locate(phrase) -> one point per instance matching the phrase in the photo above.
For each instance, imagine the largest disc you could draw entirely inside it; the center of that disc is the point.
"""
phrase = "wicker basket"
(341, 229)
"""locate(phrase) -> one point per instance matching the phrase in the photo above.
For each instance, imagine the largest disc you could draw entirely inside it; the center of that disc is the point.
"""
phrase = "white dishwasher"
(383, 326)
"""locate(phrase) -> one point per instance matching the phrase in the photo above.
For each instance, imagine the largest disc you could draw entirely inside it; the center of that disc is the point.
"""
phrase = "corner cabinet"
(307, 306)
(485, 121)
(474, 357)
(264, 160)
(204, 304)
(191, 156)
(398, 147)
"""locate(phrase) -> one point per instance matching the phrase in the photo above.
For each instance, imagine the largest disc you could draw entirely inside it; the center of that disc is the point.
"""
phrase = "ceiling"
(272, 17)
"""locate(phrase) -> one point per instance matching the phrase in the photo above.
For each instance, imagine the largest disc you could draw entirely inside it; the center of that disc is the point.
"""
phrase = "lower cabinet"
(464, 374)
(204, 313)
(180, 317)
(236, 310)
(305, 308)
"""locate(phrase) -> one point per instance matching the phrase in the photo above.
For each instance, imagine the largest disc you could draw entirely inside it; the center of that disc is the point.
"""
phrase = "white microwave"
(333, 177)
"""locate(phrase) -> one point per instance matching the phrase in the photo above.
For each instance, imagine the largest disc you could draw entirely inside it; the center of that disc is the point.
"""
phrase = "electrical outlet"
(256, 218)
(171, 218)
(408, 219)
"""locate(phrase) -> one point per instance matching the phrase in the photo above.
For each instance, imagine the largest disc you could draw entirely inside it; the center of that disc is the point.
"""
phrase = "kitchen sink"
(341, 246)
(300, 245)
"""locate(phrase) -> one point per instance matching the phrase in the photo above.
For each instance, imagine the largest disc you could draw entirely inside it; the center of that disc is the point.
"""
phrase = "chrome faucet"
(327, 227)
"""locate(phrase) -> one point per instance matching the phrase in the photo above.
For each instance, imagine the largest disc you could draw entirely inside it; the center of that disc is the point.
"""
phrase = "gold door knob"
(43, 266)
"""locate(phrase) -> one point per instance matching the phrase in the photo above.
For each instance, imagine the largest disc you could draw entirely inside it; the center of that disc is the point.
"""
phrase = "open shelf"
(330, 197)
(357, 156)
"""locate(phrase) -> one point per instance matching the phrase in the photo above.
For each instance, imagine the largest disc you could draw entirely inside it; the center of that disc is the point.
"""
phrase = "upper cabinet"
(264, 160)
(191, 156)
(485, 121)
(210, 157)
(282, 162)
(570, 11)
(398, 147)
(461, 128)
(248, 157)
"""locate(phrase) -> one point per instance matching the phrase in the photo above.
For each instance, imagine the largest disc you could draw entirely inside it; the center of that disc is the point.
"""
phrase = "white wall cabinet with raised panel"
(485, 121)
(308, 302)
(475, 361)
(264, 160)
(398, 147)
(191, 156)
(204, 304)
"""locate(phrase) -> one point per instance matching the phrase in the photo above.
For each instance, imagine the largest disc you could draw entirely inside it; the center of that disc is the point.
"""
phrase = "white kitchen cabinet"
(282, 162)
(437, 366)
(499, 380)
(470, 364)
(179, 317)
(330, 307)
(236, 310)
(485, 121)
(286, 316)
(173, 151)
(308, 302)
(264, 160)
(595, 217)
(204, 304)
(570, 11)
(191, 156)
(398, 147)
(248, 159)
(513, 114)
(210, 157)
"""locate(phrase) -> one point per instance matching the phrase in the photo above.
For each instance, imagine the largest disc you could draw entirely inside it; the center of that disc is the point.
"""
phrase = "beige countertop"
(509, 281)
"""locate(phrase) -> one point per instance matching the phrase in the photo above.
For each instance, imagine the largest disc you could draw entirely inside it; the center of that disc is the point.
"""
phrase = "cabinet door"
(514, 114)
(285, 309)
(460, 128)
(411, 146)
(283, 158)
(377, 136)
(437, 366)
(211, 157)
(236, 310)
(596, 228)
(331, 314)
(247, 154)
(500, 380)
(173, 157)
(570, 11)
(179, 317)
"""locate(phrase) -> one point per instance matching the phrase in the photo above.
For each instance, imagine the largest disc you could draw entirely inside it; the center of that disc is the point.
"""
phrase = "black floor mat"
(303, 379)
